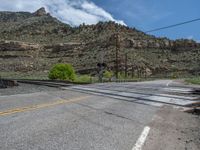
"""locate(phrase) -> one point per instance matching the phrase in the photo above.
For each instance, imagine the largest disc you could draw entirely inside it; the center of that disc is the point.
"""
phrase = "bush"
(62, 72)
(193, 80)
(175, 75)
(108, 74)
(83, 79)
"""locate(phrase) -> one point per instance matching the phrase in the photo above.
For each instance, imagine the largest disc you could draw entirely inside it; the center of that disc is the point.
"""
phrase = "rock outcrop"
(40, 12)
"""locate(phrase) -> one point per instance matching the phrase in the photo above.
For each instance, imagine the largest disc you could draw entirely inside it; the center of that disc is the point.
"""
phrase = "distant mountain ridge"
(7, 16)
(86, 45)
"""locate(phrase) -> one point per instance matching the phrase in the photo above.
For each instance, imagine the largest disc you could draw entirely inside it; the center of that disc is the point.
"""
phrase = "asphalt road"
(86, 118)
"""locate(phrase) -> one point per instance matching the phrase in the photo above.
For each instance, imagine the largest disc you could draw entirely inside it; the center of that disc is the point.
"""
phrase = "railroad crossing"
(106, 116)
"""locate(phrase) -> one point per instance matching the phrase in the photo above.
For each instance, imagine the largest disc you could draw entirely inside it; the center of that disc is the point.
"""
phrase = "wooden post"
(117, 55)
(132, 71)
(126, 67)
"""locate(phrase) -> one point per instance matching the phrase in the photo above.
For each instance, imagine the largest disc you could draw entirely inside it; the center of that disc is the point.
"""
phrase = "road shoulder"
(173, 130)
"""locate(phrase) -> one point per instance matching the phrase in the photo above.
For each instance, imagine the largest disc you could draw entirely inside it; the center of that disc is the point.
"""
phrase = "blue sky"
(142, 14)
(149, 14)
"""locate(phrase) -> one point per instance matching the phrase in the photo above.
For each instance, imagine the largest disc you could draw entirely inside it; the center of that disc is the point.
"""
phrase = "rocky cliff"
(36, 41)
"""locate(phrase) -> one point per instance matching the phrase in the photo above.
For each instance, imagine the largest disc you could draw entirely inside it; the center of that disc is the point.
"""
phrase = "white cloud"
(74, 12)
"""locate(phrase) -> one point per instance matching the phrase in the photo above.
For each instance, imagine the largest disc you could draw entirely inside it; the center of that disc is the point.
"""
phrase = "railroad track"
(46, 83)
(50, 83)
(188, 101)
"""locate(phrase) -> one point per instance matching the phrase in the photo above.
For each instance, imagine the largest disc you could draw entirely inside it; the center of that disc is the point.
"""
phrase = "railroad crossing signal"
(101, 69)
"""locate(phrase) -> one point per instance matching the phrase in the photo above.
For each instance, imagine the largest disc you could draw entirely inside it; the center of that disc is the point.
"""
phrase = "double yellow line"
(40, 106)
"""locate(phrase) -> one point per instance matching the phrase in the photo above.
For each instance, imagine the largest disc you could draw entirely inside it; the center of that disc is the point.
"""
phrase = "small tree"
(108, 74)
(62, 72)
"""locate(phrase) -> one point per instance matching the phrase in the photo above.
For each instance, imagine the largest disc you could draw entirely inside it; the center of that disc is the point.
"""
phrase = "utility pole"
(117, 44)
(132, 71)
(126, 67)
(132, 64)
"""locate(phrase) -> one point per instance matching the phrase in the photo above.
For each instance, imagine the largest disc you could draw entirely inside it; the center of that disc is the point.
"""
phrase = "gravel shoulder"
(173, 130)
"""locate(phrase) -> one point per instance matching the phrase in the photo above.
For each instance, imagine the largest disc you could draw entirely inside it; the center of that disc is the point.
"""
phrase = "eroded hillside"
(36, 41)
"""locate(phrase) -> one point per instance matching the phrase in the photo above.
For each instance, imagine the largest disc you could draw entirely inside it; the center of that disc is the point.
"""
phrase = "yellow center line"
(30, 108)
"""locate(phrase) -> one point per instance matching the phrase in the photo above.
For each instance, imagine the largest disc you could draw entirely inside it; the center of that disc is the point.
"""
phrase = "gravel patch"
(26, 88)
(173, 130)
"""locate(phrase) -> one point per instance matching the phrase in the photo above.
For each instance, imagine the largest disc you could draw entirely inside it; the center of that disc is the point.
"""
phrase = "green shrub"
(62, 72)
(108, 74)
(193, 80)
(175, 75)
(83, 79)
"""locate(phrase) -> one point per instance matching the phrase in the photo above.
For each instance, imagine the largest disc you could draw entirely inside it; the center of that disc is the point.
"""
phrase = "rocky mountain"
(36, 41)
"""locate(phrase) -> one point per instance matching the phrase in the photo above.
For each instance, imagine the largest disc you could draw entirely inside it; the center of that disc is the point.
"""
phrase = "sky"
(141, 14)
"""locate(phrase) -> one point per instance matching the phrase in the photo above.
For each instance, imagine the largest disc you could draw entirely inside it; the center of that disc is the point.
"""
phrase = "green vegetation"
(108, 74)
(194, 80)
(83, 79)
(62, 72)
(78, 78)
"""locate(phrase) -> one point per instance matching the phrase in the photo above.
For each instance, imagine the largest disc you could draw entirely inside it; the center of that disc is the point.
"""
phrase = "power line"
(174, 25)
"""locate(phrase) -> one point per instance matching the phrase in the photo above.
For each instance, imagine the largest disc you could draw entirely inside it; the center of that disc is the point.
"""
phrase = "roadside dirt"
(173, 130)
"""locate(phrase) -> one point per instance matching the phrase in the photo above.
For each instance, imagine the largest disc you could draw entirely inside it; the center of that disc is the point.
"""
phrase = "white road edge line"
(140, 142)
(169, 83)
